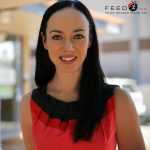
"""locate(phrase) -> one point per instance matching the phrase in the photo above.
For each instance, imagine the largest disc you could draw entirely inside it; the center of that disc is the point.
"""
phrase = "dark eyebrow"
(78, 30)
(58, 31)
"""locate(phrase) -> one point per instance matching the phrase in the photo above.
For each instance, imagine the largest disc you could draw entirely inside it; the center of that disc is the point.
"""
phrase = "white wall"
(118, 64)
(115, 63)
(144, 66)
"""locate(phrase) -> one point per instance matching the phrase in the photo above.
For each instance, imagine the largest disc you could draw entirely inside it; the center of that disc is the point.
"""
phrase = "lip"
(68, 56)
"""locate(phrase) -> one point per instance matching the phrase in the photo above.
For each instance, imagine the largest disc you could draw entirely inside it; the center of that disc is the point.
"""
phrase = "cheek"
(83, 47)
(53, 45)
(53, 50)
(53, 55)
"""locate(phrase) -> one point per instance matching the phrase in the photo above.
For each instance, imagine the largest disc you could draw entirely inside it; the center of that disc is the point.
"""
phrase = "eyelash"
(56, 36)
(59, 37)
(79, 35)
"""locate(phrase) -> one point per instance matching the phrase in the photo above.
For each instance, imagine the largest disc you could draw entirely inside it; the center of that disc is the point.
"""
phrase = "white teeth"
(68, 58)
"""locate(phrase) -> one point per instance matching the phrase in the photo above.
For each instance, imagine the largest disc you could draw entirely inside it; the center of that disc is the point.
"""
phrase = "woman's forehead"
(68, 18)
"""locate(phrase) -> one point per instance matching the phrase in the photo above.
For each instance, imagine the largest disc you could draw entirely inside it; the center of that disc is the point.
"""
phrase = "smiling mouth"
(68, 59)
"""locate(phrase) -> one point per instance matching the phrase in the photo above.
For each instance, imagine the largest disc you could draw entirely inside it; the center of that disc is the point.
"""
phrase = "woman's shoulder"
(26, 119)
(119, 99)
(24, 109)
(127, 122)
(24, 104)
(28, 97)
(123, 102)
(122, 99)
(25, 99)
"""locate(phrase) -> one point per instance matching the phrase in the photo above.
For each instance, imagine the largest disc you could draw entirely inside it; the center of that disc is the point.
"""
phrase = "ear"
(44, 40)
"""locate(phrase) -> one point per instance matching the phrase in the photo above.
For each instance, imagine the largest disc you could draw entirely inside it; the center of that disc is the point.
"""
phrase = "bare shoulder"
(125, 109)
(26, 121)
(123, 99)
(25, 100)
(24, 107)
(127, 122)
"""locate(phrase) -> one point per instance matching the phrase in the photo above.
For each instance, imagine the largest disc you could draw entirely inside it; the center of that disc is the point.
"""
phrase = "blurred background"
(124, 41)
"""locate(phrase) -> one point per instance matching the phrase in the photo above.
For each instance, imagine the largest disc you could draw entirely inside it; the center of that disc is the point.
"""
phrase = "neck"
(65, 82)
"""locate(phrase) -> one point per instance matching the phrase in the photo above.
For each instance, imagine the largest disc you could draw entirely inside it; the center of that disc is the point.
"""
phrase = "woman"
(72, 107)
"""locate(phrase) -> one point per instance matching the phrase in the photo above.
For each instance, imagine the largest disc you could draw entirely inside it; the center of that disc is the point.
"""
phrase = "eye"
(57, 37)
(78, 36)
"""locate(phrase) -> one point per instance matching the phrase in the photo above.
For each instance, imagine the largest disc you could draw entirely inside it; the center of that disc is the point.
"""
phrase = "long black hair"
(91, 85)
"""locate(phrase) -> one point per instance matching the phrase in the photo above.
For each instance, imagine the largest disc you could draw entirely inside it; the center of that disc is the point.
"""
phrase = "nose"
(68, 45)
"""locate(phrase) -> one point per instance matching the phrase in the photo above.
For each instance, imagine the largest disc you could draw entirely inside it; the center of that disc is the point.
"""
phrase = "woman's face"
(67, 39)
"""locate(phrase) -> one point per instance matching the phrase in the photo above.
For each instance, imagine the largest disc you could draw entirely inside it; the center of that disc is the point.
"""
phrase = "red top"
(54, 134)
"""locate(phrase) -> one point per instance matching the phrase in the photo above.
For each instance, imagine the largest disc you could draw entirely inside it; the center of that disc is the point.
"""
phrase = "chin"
(70, 69)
